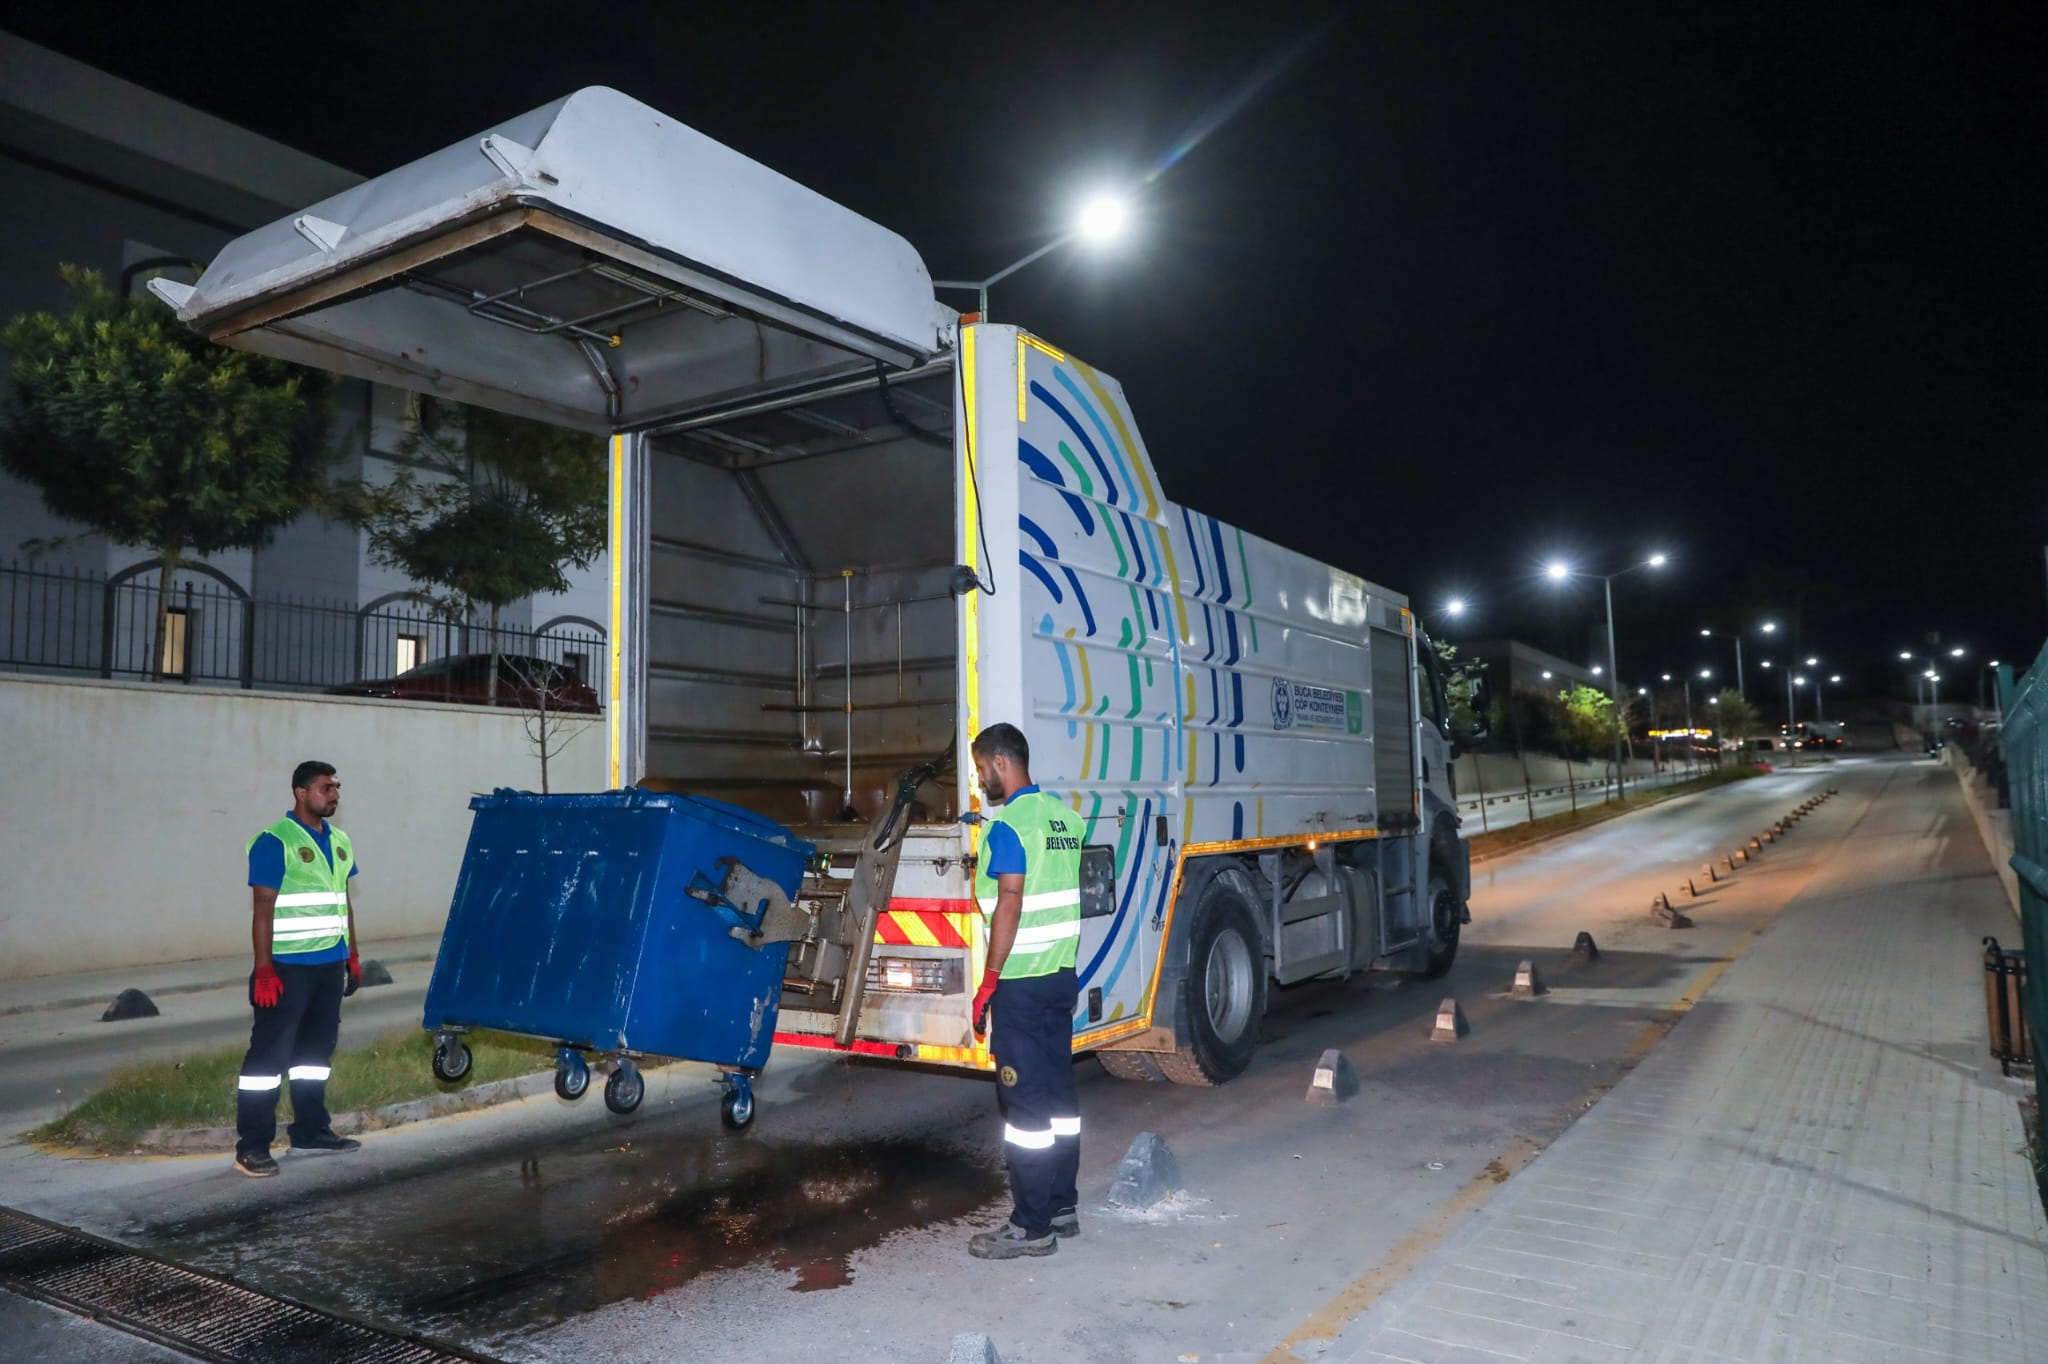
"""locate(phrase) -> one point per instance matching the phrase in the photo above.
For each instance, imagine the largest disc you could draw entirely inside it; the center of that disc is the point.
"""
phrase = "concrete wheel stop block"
(1146, 1175)
(1528, 984)
(375, 973)
(1664, 912)
(1450, 1023)
(1585, 950)
(972, 1347)
(1334, 1080)
(129, 1004)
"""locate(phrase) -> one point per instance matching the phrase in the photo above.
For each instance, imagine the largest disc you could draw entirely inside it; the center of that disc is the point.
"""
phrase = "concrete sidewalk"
(35, 994)
(1819, 1163)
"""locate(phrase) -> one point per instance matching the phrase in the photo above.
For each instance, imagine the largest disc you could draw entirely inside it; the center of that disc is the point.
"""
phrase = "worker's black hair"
(308, 771)
(1002, 740)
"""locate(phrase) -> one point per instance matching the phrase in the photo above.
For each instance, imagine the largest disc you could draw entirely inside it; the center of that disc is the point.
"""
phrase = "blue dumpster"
(600, 923)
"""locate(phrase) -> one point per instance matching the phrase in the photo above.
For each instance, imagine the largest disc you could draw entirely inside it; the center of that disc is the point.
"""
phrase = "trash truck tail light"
(919, 975)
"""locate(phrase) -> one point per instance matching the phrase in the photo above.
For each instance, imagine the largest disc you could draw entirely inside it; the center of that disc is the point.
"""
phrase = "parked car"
(465, 679)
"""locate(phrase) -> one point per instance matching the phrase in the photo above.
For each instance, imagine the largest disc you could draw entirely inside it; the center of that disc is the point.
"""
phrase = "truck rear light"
(918, 975)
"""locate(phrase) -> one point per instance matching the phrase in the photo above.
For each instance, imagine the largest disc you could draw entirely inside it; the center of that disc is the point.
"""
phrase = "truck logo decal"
(1302, 705)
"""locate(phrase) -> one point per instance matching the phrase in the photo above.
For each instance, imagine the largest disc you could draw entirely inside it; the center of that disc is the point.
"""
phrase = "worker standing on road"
(1028, 883)
(304, 932)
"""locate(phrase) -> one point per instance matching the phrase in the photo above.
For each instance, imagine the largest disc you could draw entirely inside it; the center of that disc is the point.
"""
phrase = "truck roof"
(592, 262)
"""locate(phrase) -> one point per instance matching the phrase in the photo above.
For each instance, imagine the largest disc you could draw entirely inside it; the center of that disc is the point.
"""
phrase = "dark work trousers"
(1031, 1033)
(291, 1043)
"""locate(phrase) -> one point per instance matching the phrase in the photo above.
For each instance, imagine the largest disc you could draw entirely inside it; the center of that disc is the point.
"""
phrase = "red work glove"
(266, 987)
(984, 998)
(355, 974)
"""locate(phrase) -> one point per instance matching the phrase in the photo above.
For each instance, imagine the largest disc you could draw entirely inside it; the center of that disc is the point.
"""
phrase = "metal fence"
(66, 621)
(2023, 737)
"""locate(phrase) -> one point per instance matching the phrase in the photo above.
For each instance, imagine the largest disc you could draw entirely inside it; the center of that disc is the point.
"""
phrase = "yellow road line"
(1361, 1293)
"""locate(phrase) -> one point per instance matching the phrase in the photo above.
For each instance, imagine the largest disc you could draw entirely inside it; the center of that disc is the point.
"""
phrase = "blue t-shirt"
(1005, 851)
(266, 868)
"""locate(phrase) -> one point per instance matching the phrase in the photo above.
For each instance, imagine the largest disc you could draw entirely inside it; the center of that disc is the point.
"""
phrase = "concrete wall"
(125, 809)
(1994, 825)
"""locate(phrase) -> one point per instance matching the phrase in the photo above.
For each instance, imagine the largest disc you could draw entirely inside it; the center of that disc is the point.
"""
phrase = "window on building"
(412, 651)
(176, 661)
(576, 665)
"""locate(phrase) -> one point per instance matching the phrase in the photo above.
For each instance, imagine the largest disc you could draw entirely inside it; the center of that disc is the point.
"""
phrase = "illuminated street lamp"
(1455, 607)
(1101, 220)
(1767, 628)
(1558, 571)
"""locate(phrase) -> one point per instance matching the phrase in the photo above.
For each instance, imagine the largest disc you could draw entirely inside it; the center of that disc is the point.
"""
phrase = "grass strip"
(199, 1090)
(1515, 836)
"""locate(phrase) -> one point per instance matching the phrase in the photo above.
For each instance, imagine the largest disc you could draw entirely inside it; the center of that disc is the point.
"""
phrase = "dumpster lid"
(592, 263)
(701, 808)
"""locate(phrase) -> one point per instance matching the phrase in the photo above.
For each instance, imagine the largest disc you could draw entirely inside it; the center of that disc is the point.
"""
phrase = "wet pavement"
(534, 1237)
(835, 1228)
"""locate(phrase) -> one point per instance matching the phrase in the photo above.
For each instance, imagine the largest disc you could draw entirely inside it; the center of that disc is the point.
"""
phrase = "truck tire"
(1132, 1065)
(1223, 995)
(1441, 932)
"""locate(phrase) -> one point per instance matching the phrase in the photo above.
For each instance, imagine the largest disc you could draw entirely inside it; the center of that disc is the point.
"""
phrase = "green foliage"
(129, 422)
(490, 508)
(1587, 723)
(1464, 683)
(1733, 716)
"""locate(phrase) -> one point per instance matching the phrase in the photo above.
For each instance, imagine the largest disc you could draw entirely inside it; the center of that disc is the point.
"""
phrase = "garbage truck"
(850, 527)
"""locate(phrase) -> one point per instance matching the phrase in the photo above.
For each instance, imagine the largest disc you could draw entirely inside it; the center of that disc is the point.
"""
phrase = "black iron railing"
(67, 621)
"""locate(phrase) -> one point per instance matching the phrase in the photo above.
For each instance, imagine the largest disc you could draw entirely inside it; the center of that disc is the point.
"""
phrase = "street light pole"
(1614, 688)
(1101, 219)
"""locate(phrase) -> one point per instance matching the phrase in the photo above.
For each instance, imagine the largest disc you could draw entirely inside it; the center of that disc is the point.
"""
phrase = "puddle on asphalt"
(486, 1251)
(805, 1210)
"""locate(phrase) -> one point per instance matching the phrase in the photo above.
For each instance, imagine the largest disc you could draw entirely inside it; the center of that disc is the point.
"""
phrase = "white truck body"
(848, 532)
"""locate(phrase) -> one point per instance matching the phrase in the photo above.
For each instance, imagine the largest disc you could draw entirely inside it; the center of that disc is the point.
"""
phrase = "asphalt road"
(835, 1228)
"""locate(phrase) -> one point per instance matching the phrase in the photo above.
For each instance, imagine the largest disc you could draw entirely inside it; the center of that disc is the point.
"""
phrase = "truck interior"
(801, 616)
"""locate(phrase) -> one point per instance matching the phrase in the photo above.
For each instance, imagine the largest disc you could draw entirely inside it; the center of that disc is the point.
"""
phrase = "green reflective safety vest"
(1049, 930)
(312, 904)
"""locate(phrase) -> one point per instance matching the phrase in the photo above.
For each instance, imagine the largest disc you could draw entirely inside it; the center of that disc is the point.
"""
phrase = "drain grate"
(200, 1314)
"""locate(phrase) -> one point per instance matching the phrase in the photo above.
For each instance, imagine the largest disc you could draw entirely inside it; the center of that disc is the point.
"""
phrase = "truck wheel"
(1442, 930)
(1132, 1065)
(1223, 996)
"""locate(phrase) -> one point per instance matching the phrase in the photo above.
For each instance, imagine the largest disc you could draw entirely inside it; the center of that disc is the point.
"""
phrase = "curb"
(1568, 831)
(186, 1141)
(82, 1001)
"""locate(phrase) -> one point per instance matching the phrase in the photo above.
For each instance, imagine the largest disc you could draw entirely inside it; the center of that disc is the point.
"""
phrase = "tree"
(488, 507)
(1734, 716)
(1589, 723)
(1464, 683)
(544, 690)
(130, 423)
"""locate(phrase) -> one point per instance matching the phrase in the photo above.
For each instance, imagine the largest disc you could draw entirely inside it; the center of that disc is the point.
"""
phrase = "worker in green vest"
(1028, 882)
(303, 929)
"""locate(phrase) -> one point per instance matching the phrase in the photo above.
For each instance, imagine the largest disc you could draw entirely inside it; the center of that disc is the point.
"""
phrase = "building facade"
(105, 174)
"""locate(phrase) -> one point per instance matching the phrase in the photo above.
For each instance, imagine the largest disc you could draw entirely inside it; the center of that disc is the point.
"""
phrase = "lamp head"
(1103, 219)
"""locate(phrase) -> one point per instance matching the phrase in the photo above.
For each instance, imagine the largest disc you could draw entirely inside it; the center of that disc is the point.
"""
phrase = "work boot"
(255, 1164)
(320, 1143)
(1009, 1242)
(1065, 1224)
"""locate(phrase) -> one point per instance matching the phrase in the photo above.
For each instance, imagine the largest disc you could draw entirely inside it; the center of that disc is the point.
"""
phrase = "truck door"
(592, 263)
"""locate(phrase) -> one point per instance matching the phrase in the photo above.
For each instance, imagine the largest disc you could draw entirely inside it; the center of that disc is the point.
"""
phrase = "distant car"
(465, 679)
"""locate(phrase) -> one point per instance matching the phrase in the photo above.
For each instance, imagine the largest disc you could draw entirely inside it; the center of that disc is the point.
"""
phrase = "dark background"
(1432, 291)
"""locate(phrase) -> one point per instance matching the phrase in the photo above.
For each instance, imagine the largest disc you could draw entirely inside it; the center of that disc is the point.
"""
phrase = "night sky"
(1432, 291)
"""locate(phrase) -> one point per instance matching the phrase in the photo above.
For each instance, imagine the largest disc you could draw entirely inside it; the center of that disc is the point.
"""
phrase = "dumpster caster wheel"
(736, 1109)
(625, 1089)
(451, 1059)
(572, 1075)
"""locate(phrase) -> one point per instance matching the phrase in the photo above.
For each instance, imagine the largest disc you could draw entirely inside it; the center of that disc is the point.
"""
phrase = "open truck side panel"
(847, 533)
